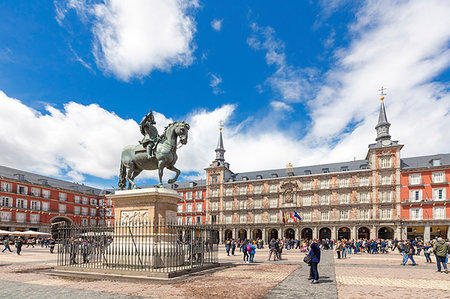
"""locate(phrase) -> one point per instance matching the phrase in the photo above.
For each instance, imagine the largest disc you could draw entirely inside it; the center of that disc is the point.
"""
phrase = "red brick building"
(192, 209)
(31, 201)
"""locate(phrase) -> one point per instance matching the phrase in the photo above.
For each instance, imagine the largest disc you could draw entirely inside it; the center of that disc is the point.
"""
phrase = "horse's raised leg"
(173, 168)
(161, 166)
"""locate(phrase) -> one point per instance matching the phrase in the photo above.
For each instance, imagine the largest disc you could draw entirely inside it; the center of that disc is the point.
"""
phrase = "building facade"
(31, 201)
(368, 198)
(192, 209)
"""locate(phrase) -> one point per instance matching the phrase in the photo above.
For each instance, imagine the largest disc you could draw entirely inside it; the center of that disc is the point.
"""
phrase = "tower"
(220, 150)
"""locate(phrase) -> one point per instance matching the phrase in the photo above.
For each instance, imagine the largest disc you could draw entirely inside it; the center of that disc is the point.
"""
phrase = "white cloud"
(216, 24)
(280, 106)
(133, 38)
(293, 84)
(215, 81)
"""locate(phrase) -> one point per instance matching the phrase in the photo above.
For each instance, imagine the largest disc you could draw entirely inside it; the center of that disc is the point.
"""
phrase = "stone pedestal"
(145, 231)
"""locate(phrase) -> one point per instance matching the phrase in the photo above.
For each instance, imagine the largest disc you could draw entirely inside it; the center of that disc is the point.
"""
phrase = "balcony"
(416, 183)
(440, 182)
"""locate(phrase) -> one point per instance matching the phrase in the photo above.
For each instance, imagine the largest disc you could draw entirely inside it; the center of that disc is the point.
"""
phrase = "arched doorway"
(363, 233)
(385, 233)
(215, 237)
(257, 234)
(228, 235)
(273, 234)
(242, 234)
(324, 233)
(289, 233)
(57, 222)
(344, 233)
(307, 233)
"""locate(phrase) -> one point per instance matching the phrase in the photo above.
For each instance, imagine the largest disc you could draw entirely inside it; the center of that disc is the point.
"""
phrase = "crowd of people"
(18, 242)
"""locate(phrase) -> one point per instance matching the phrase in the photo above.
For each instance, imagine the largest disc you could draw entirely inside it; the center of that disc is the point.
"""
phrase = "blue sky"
(295, 81)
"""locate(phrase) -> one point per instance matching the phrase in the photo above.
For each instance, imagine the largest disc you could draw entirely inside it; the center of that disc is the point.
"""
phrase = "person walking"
(51, 243)
(314, 254)
(233, 246)
(338, 249)
(426, 252)
(273, 249)
(6, 244)
(409, 253)
(19, 244)
(244, 251)
(440, 249)
(228, 246)
(252, 252)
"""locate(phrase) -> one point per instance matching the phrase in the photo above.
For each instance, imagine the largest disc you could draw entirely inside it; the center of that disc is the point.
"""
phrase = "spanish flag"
(286, 217)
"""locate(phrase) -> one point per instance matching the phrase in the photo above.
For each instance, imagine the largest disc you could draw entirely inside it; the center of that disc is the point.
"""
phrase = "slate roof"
(36, 179)
(182, 185)
(424, 161)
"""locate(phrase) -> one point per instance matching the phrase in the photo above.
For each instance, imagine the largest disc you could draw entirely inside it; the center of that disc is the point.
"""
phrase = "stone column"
(333, 233)
(398, 232)
(281, 233)
(374, 232)
(264, 236)
(235, 233)
(221, 240)
(315, 232)
(448, 232)
(354, 233)
(426, 233)
(297, 233)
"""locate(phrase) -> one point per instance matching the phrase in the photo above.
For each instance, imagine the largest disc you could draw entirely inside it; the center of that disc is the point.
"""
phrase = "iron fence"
(144, 247)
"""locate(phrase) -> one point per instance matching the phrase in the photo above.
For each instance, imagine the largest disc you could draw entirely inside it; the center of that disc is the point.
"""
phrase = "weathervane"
(382, 94)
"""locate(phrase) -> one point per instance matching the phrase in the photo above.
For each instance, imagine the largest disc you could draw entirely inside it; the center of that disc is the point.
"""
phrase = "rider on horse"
(150, 133)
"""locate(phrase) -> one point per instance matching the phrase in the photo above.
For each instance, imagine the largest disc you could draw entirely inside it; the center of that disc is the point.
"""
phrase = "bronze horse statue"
(135, 158)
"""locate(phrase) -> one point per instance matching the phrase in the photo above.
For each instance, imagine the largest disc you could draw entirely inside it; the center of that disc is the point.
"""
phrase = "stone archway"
(385, 232)
(227, 235)
(307, 233)
(344, 233)
(272, 234)
(59, 221)
(242, 234)
(289, 233)
(257, 234)
(324, 233)
(363, 233)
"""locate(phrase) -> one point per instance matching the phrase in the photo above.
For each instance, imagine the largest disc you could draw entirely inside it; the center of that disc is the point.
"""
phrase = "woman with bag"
(313, 259)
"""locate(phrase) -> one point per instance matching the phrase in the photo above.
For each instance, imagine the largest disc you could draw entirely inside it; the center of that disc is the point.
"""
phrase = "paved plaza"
(361, 275)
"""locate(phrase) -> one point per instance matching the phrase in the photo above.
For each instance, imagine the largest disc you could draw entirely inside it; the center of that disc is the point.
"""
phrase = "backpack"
(249, 248)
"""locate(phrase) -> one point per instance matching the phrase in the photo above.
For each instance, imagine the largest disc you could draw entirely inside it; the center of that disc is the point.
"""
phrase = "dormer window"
(244, 178)
(307, 172)
(259, 177)
(436, 162)
(364, 166)
(344, 168)
(192, 184)
(274, 175)
(325, 170)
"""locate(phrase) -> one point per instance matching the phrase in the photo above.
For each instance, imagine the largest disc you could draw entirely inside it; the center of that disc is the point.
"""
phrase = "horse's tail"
(122, 176)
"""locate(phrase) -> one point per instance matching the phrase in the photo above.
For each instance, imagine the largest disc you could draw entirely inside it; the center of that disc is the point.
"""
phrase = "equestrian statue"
(154, 151)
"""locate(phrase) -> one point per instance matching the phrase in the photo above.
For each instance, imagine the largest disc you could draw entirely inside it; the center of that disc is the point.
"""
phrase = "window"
(307, 185)
(93, 212)
(228, 219)
(6, 201)
(243, 219)
(243, 190)
(188, 195)
(363, 214)
(438, 177)
(199, 194)
(306, 200)
(242, 204)
(259, 177)
(324, 215)
(22, 189)
(228, 191)
(45, 206)
(307, 172)
(439, 212)
(306, 216)
(364, 166)
(214, 179)
(324, 184)
(85, 200)
(189, 207)
(257, 189)
(343, 215)
(415, 195)
(46, 193)
(214, 206)
(62, 196)
(273, 218)
(325, 170)
(215, 192)
(180, 209)
(344, 168)
(62, 208)
(76, 210)
(84, 211)
(6, 187)
(5, 216)
(273, 202)
(258, 218)
(93, 202)
(198, 220)
(93, 222)
(344, 182)
(189, 220)
(84, 221)
(20, 217)
(386, 162)
(364, 181)
(228, 205)
(386, 213)
(386, 179)
(273, 188)
(324, 199)
(364, 197)
(415, 179)
(244, 178)
(21, 203)
(344, 198)
(34, 218)
(274, 175)
(35, 191)
(257, 203)
(386, 196)
(35, 205)
(439, 194)
(416, 214)
(180, 220)
(436, 162)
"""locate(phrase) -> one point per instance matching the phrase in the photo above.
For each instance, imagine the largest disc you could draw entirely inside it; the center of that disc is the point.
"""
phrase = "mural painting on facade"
(315, 215)
(250, 218)
(250, 203)
(315, 184)
(333, 182)
(353, 214)
(289, 191)
(235, 204)
(334, 214)
(235, 190)
(250, 189)
(354, 197)
(265, 217)
(315, 199)
(353, 180)
(265, 188)
(377, 212)
(235, 218)
(334, 198)
(265, 203)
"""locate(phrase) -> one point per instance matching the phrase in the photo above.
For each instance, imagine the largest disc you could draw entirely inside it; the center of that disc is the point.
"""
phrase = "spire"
(220, 150)
(383, 125)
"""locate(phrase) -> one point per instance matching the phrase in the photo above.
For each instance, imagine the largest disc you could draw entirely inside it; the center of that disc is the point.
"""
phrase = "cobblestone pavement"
(382, 275)
(297, 284)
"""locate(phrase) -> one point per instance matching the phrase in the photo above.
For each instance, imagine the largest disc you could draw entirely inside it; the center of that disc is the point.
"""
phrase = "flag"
(292, 216)
(284, 217)
(296, 215)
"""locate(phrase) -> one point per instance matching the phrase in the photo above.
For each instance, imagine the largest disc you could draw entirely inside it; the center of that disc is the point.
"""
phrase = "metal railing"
(145, 247)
